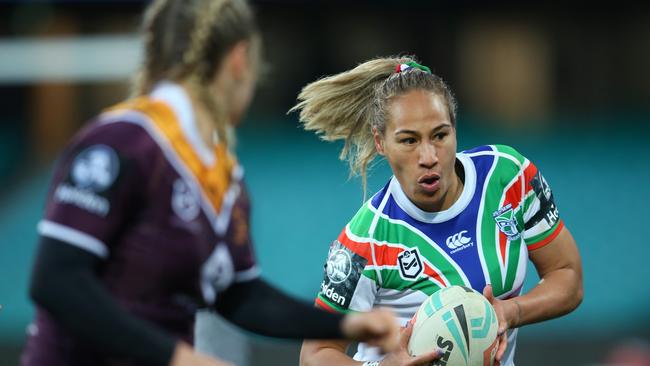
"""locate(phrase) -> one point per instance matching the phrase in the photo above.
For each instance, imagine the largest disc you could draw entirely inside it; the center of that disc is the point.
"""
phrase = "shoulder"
(124, 131)
(499, 151)
(362, 219)
(503, 159)
(113, 145)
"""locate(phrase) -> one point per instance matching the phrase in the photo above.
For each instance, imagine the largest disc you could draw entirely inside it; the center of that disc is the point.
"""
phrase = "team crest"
(506, 222)
(410, 264)
(185, 201)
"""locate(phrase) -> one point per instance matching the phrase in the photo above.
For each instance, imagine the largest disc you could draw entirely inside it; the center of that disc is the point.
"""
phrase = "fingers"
(378, 328)
(405, 335)
(501, 348)
(489, 295)
(391, 331)
(425, 359)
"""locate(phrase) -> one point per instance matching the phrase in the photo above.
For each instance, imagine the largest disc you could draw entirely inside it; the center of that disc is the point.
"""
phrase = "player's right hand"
(401, 356)
(184, 355)
(378, 328)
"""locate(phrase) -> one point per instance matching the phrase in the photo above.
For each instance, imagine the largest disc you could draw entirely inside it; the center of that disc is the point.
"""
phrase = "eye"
(440, 136)
(408, 141)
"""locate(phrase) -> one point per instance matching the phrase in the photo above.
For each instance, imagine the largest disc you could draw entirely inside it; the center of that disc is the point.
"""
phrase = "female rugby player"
(147, 218)
(472, 218)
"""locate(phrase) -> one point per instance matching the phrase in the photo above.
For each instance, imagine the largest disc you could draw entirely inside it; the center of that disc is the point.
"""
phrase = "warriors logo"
(506, 221)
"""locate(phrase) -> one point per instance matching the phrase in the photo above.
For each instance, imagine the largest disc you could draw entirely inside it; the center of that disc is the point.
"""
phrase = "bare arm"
(322, 352)
(559, 291)
(325, 353)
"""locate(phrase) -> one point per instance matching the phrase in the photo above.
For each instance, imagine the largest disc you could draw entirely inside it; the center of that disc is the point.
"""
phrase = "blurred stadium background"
(568, 88)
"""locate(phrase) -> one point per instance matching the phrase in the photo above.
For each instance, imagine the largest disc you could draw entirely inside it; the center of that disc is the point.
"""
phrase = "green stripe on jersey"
(392, 280)
(400, 235)
(512, 152)
(504, 172)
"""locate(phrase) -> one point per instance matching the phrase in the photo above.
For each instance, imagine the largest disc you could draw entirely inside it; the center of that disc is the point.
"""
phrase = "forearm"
(558, 293)
(319, 353)
(262, 309)
(64, 284)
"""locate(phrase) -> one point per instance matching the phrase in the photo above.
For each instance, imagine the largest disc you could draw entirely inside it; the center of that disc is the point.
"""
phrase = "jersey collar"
(437, 217)
(175, 96)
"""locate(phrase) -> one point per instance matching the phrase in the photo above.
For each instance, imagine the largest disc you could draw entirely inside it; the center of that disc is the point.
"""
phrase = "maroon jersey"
(169, 216)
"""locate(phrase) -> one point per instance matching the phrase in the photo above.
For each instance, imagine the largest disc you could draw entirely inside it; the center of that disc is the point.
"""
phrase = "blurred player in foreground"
(147, 218)
(471, 218)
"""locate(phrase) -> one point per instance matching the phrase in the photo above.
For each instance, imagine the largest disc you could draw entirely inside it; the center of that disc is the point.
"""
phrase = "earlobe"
(379, 142)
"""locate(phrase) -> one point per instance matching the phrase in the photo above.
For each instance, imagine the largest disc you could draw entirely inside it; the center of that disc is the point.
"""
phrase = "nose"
(427, 155)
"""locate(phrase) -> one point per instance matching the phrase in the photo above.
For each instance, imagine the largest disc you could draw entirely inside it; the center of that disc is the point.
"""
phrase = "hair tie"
(410, 65)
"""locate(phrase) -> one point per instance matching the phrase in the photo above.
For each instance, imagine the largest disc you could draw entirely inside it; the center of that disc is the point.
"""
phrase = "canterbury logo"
(458, 240)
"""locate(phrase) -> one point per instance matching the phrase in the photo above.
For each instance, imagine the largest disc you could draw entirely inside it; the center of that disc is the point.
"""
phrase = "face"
(420, 146)
(243, 92)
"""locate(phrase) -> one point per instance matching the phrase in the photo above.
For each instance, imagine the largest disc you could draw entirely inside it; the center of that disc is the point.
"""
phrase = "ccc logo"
(458, 240)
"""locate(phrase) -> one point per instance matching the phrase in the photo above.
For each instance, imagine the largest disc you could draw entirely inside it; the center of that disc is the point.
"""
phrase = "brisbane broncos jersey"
(393, 254)
(169, 216)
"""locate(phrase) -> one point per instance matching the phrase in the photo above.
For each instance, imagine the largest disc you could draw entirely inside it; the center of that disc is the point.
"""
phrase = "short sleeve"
(542, 221)
(345, 287)
(96, 186)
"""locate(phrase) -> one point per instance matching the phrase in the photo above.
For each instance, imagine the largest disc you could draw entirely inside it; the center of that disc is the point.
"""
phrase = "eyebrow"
(440, 127)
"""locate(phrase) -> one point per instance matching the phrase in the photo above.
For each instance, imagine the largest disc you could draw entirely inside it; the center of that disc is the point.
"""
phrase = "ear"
(237, 60)
(379, 141)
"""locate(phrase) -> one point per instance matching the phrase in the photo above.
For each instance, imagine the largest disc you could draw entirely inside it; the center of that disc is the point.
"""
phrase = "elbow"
(573, 296)
(311, 353)
(577, 297)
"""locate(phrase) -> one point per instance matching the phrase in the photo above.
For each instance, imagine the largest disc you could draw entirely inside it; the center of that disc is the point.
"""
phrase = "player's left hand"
(508, 315)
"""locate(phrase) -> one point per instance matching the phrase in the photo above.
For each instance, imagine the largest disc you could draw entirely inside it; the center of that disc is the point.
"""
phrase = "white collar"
(437, 217)
(175, 96)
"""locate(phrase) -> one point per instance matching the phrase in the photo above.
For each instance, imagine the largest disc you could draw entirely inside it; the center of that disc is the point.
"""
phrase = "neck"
(457, 189)
(202, 117)
(454, 192)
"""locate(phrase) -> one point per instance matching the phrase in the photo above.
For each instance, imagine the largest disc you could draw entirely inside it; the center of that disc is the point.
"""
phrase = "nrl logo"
(505, 219)
(410, 264)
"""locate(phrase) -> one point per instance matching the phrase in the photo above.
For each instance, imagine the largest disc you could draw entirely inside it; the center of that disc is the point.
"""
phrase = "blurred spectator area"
(568, 86)
(516, 68)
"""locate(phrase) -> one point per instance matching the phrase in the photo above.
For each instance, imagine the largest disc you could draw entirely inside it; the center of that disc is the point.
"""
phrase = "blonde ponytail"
(349, 105)
(340, 107)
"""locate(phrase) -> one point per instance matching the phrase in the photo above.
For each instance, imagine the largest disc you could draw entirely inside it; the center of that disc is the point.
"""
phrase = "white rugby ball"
(459, 321)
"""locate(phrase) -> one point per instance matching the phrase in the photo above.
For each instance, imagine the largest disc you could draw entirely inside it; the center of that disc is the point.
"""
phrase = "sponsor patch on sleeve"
(547, 209)
(90, 178)
(342, 272)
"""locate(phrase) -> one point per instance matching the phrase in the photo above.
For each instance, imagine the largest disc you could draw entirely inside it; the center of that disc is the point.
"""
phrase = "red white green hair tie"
(411, 65)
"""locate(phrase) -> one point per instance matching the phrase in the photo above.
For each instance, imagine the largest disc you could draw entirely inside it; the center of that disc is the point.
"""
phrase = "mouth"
(429, 182)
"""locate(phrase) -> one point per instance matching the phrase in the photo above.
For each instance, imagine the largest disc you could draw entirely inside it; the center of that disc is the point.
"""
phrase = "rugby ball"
(459, 321)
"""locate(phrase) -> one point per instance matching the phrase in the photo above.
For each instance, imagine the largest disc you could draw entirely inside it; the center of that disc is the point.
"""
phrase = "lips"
(429, 182)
